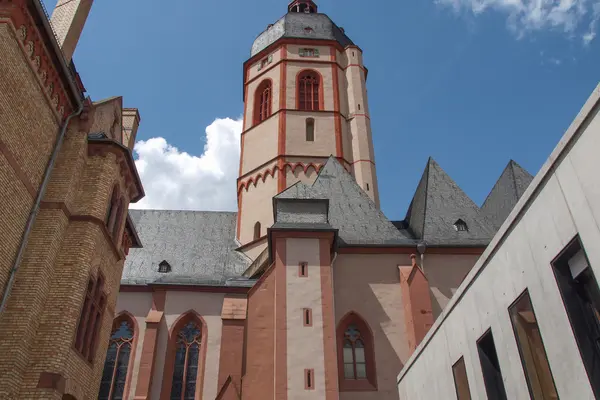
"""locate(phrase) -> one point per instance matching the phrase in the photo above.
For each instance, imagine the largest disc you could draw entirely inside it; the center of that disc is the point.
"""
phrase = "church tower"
(305, 99)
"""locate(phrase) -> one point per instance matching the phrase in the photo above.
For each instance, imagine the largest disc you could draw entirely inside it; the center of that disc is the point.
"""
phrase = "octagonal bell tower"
(305, 99)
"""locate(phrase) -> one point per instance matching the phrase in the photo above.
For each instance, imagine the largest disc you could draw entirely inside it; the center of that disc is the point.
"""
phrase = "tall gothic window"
(90, 318)
(263, 100)
(187, 357)
(356, 360)
(308, 91)
(114, 375)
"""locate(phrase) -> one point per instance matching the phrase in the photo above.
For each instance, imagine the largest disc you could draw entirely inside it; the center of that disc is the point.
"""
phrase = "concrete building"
(525, 322)
(308, 291)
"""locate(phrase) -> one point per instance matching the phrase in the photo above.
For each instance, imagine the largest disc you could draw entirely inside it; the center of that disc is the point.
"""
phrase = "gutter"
(36, 206)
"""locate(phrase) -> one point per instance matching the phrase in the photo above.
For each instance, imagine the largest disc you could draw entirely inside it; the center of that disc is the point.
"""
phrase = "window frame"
(319, 85)
(359, 385)
(264, 85)
(94, 304)
(459, 361)
(486, 383)
(561, 271)
(519, 345)
(169, 365)
(309, 122)
(125, 316)
(256, 235)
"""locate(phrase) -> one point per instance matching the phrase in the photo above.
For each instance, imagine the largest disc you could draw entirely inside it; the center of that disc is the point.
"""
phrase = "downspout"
(36, 207)
(421, 247)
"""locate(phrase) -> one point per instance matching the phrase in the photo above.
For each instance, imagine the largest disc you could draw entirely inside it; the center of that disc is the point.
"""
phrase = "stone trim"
(327, 300)
(281, 374)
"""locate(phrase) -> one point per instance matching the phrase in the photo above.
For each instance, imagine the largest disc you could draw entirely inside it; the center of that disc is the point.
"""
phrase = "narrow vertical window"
(118, 220)
(262, 101)
(367, 187)
(459, 371)
(358, 106)
(90, 318)
(308, 91)
(531, 349)
(581, 297)
(492, 375)
(309, 379)
(307, 316)
(111, 211)
(187, 356)
(116, 366)
(303, 270)
(257, 230)
(310, 130)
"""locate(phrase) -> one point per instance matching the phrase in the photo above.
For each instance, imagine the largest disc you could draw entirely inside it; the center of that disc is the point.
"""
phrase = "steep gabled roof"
(351, 210)
(198, 245)
(508, 189)
(438, 203)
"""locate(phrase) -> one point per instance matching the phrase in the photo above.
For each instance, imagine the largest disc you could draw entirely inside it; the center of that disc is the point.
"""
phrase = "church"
(308, 291)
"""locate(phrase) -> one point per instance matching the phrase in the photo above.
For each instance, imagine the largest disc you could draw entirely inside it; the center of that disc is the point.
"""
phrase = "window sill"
(362, 385)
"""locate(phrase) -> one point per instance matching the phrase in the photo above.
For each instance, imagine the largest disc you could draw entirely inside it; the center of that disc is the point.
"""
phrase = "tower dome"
(302, 22)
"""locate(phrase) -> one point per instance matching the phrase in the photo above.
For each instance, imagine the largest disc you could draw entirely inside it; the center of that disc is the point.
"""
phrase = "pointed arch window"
(117, 366)
(356, 357)
(182, 379)
(263, 100)
(308, 91)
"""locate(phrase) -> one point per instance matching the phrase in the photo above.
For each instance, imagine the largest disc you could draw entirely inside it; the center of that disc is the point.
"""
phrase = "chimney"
(131, 121)
(68, 19)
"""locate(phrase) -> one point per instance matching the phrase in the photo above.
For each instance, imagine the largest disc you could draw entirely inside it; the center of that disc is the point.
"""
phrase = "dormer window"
(461, 226)
(164, 267)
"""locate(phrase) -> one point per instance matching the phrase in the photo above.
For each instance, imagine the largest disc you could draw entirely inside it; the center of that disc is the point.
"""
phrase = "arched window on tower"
(310, 129)
(257, 230)
(262, 101)
(185, 359)
(308, 91)
(117, 366)
(356, 356)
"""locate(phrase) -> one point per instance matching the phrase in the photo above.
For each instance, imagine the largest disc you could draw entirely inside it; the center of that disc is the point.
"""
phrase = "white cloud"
(174, 179)
(525, 16)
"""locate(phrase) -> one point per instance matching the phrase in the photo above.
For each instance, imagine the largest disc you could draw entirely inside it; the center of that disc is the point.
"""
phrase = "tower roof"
(301, 25)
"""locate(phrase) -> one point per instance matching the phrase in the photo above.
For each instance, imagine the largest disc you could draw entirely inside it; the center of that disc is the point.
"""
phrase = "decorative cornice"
(35, 50)
(271, 171)
(101, 147)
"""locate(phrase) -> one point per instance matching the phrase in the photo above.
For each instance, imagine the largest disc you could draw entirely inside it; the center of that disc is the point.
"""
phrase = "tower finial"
(303, 6)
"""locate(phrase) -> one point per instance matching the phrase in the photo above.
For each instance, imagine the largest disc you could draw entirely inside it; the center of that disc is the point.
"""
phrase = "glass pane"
(460, 380)
(359, 353)
(352, 333)
(176, 387)
(349, 371)
(190, 333)
(191, 372)
(348, 352)
(361, 370)
(107, 372)
(533, 354)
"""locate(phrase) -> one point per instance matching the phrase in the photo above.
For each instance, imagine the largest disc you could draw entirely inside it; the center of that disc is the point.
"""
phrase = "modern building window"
(310, 130)
(308, 91)
(492, 375)
(356, 360)
(531, 348)
(187, 357)
(118, 358)
(459, 371)
(257, 230)
(581, 297)
(262, 101)
(90, 318)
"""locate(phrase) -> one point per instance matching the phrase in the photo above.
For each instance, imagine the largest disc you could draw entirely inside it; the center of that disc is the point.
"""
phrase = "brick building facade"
(308, 291)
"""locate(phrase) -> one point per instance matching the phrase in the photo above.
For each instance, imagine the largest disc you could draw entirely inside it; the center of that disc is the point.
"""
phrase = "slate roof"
(293, 25)
(506, 192)
(438, 204)
(199, 246)
(351, 210)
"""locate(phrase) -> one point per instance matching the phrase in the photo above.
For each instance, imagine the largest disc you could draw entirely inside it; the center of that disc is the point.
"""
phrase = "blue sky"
(472, 83)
